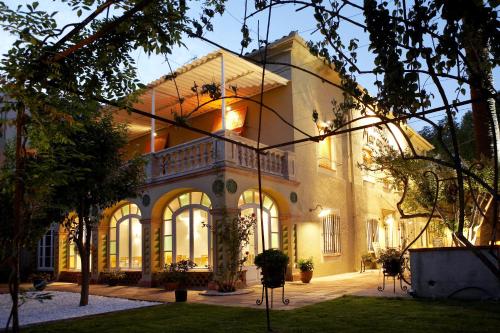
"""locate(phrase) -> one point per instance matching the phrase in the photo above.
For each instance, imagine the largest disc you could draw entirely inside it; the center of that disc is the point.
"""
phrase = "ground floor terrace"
(341, 303)
(299, 294)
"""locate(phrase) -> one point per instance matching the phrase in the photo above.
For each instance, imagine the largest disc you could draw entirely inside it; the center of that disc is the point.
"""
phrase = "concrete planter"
(453, 273)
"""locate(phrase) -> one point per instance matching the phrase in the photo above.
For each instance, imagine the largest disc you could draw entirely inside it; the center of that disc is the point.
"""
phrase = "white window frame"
(42, 250)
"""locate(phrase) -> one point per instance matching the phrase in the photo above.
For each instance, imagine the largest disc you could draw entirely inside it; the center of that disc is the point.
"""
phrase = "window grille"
(331, 234)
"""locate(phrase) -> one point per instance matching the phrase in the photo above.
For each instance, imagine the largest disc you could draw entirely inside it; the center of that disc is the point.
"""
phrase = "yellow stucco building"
(317, 202)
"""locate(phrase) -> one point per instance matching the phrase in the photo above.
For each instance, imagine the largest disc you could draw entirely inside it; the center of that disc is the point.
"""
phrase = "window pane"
(196, 198)
(136, 243)
(274, 224)
(167, 258)
(174, 205)
(112, 261)
(126, 210)
(134, 210)
(182, 236)
(124, 244)
(250, 247)
(118, 214)
(112, 234)
(167, 243)
(200, 235)
(184, 199)
(275, 240)
(113, 222)
(167, 215)
(205, 201)
(112, 247)
(267, 202)
(274, 211)
(266, 229)
(167, 227)
(248, 196)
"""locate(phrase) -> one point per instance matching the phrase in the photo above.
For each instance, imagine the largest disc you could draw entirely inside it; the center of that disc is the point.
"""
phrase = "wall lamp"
(323, 212)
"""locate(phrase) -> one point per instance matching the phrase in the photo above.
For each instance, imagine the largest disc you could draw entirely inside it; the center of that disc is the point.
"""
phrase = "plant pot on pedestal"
(171, 286)
(180, 295)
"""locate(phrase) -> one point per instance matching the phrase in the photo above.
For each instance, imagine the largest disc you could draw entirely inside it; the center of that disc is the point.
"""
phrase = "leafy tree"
(40, 175)
(50, 63)
(94, 153)
(464, 133)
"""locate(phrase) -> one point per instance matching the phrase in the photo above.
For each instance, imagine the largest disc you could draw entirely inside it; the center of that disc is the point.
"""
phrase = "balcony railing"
(206, 153)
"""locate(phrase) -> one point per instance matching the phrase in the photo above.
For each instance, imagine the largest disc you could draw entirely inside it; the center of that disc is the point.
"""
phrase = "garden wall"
(453, 272)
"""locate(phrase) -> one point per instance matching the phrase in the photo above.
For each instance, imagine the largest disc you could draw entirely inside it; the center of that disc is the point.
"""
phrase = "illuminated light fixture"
(323, 212)
(233, 119)
(155, 134)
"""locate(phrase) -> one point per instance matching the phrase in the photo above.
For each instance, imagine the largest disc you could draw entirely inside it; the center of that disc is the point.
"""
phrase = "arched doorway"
(249, 204)
(186, 232)
(125, 238)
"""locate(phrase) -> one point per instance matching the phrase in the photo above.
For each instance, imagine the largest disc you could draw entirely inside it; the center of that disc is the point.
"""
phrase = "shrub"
(306, 265)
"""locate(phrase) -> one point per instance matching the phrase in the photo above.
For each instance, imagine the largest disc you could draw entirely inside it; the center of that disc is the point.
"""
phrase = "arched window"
(125, 238)
(249, 204)
(184, 235)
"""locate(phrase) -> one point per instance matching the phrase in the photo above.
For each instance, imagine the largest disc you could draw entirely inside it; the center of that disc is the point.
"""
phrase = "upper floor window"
(125, 238)
(326, 153)
(185, 235)
(372, 234)
(249, 204)
(331, 234)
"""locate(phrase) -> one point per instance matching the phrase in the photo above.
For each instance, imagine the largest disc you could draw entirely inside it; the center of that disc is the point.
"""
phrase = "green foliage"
(440, 137)
(176, 272)
(305, 265)
(271, 258)
(233, 234)
(388, 255)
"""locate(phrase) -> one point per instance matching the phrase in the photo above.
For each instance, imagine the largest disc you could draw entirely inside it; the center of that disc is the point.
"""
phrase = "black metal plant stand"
(393, 269)
(284, 300)
(273, 283)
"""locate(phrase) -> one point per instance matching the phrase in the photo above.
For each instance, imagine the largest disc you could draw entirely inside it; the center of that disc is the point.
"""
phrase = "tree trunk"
(18, 216)
(84, 293)
(83, 244)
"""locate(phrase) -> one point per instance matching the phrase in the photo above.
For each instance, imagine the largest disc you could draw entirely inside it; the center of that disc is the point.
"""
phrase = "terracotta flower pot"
(306, 276)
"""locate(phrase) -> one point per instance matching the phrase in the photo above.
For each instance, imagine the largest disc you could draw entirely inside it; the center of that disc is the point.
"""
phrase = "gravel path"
(64, 305)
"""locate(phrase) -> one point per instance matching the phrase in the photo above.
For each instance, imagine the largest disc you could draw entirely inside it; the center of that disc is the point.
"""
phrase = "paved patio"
(299, 294)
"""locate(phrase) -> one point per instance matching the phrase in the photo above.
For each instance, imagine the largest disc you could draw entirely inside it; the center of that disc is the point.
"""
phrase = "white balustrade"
(205, 153)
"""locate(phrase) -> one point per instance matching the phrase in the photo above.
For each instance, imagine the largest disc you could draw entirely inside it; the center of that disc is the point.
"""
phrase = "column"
(223, 92)
(146, 279)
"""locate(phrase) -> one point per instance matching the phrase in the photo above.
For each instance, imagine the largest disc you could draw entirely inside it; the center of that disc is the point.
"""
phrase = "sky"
(284, 18)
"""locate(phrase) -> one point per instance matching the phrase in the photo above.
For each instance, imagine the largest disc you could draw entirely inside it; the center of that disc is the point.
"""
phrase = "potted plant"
(167, 279)
(273, 264)
(178, 273)
(306, 267)
(114, 277)
(39, 280)
(391, 261)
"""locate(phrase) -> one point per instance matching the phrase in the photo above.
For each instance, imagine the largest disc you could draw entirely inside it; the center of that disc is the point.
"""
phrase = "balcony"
(208, 153)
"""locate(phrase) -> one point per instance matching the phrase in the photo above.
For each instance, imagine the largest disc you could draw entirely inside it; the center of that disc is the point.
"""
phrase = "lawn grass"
(346, 314)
